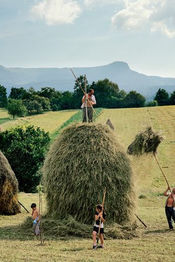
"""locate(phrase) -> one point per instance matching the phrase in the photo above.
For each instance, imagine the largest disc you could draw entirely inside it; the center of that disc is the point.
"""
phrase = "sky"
(69, 33)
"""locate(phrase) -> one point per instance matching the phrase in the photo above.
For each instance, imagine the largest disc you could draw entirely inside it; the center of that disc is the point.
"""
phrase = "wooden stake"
(104, 196)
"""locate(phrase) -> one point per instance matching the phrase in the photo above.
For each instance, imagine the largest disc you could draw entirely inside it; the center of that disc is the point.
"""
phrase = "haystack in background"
(109, 123)
(84, 160)
(8, 189)
(145, 142)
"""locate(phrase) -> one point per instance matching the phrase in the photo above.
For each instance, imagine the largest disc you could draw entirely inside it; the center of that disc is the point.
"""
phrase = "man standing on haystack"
(88, 101)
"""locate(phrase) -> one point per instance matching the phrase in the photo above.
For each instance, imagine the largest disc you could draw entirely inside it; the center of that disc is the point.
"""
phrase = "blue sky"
(60, 33)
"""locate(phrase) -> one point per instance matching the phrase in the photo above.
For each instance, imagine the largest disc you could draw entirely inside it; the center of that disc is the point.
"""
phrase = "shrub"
(25, 149)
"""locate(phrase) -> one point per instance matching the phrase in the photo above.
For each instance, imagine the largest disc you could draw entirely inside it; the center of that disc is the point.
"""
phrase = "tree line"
(21, 102)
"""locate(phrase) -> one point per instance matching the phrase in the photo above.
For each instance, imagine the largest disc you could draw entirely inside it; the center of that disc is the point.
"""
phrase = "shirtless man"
(170, 206)
(35, 216)
(88, 101)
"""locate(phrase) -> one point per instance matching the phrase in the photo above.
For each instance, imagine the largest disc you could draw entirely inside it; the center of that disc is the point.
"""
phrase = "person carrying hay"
(36, 219)
(98, 228)
(170, 206)
(88, 101)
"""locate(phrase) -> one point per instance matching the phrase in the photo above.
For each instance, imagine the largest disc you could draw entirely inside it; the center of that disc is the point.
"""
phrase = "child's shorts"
(96, 229)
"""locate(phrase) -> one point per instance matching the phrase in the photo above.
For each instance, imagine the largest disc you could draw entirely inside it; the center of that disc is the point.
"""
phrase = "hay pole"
(157, 161)
(40, 215)
(141, 221)
(81, 88)
(86, 99)
(103, 202)
(23, 207)
(162, 171)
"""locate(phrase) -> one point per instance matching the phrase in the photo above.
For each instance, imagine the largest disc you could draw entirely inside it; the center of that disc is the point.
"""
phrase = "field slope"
(155, 243)
(49, 121)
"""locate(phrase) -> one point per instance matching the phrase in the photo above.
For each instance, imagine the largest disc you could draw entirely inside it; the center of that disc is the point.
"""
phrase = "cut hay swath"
(85, 159)
(147, 142)
(8, 189)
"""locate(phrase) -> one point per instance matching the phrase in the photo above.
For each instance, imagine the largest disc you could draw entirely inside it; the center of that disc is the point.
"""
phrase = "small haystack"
(145, 142)
(83, 161)
(109, 123)
(8, 189)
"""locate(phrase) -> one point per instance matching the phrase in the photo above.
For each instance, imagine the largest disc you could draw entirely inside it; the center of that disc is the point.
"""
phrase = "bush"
(25, 149)
(152, 103)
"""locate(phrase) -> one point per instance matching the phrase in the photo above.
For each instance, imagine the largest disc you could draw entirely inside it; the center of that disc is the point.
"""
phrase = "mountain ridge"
(62, 79)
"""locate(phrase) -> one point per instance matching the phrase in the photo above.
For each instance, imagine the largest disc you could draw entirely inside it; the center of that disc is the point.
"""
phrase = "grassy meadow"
(49, 121)
(156, 243)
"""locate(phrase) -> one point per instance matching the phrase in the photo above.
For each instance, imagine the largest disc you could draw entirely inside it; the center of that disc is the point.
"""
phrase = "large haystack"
(80, 164)
(8, 188)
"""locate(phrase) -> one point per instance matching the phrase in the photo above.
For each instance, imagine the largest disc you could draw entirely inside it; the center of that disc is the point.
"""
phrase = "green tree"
(162, 97)
(16, 108)
(47, 92)
(67, 100)
(43, 101)
(3, 96)
(134, 99)
(105, 92)
(19, 93)
(25, 150)
(33, 107)
(172, 98)
(81, 84)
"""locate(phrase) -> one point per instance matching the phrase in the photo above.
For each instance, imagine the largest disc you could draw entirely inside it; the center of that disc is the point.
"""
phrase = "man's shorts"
(96, 229)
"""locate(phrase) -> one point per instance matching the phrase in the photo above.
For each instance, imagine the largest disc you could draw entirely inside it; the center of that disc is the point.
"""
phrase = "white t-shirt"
(91, 99)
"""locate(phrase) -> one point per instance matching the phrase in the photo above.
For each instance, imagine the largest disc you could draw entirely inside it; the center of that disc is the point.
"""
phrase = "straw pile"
(145, 142)
(109, 123)
(8, 189)
(66, 228)
(84, 160)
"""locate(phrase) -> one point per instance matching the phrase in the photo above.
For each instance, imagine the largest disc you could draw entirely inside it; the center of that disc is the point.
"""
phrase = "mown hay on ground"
(145, 142)
(84, 160)
(66, 228)
(8, 188)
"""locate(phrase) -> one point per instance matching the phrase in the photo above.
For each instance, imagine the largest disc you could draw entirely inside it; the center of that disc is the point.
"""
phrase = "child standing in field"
(99, 227)
(36, 219)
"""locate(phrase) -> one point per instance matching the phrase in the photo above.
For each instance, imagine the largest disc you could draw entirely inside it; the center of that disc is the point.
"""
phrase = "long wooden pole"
(154, 154)
(86, 100)
(40, 215)
(162, 171)
(23, 207)
(104, 196)
(141, 220)
(81, 88)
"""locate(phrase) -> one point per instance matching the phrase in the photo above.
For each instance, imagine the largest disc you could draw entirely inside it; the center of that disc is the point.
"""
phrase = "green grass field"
(49, 121)
(156, 243)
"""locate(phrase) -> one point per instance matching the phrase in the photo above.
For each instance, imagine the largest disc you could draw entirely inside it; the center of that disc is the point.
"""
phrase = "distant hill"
(62, 79)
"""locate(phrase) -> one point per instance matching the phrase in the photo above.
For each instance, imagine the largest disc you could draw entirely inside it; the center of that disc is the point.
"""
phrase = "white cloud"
(57, 11)
(94, 2)
(158, 15)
